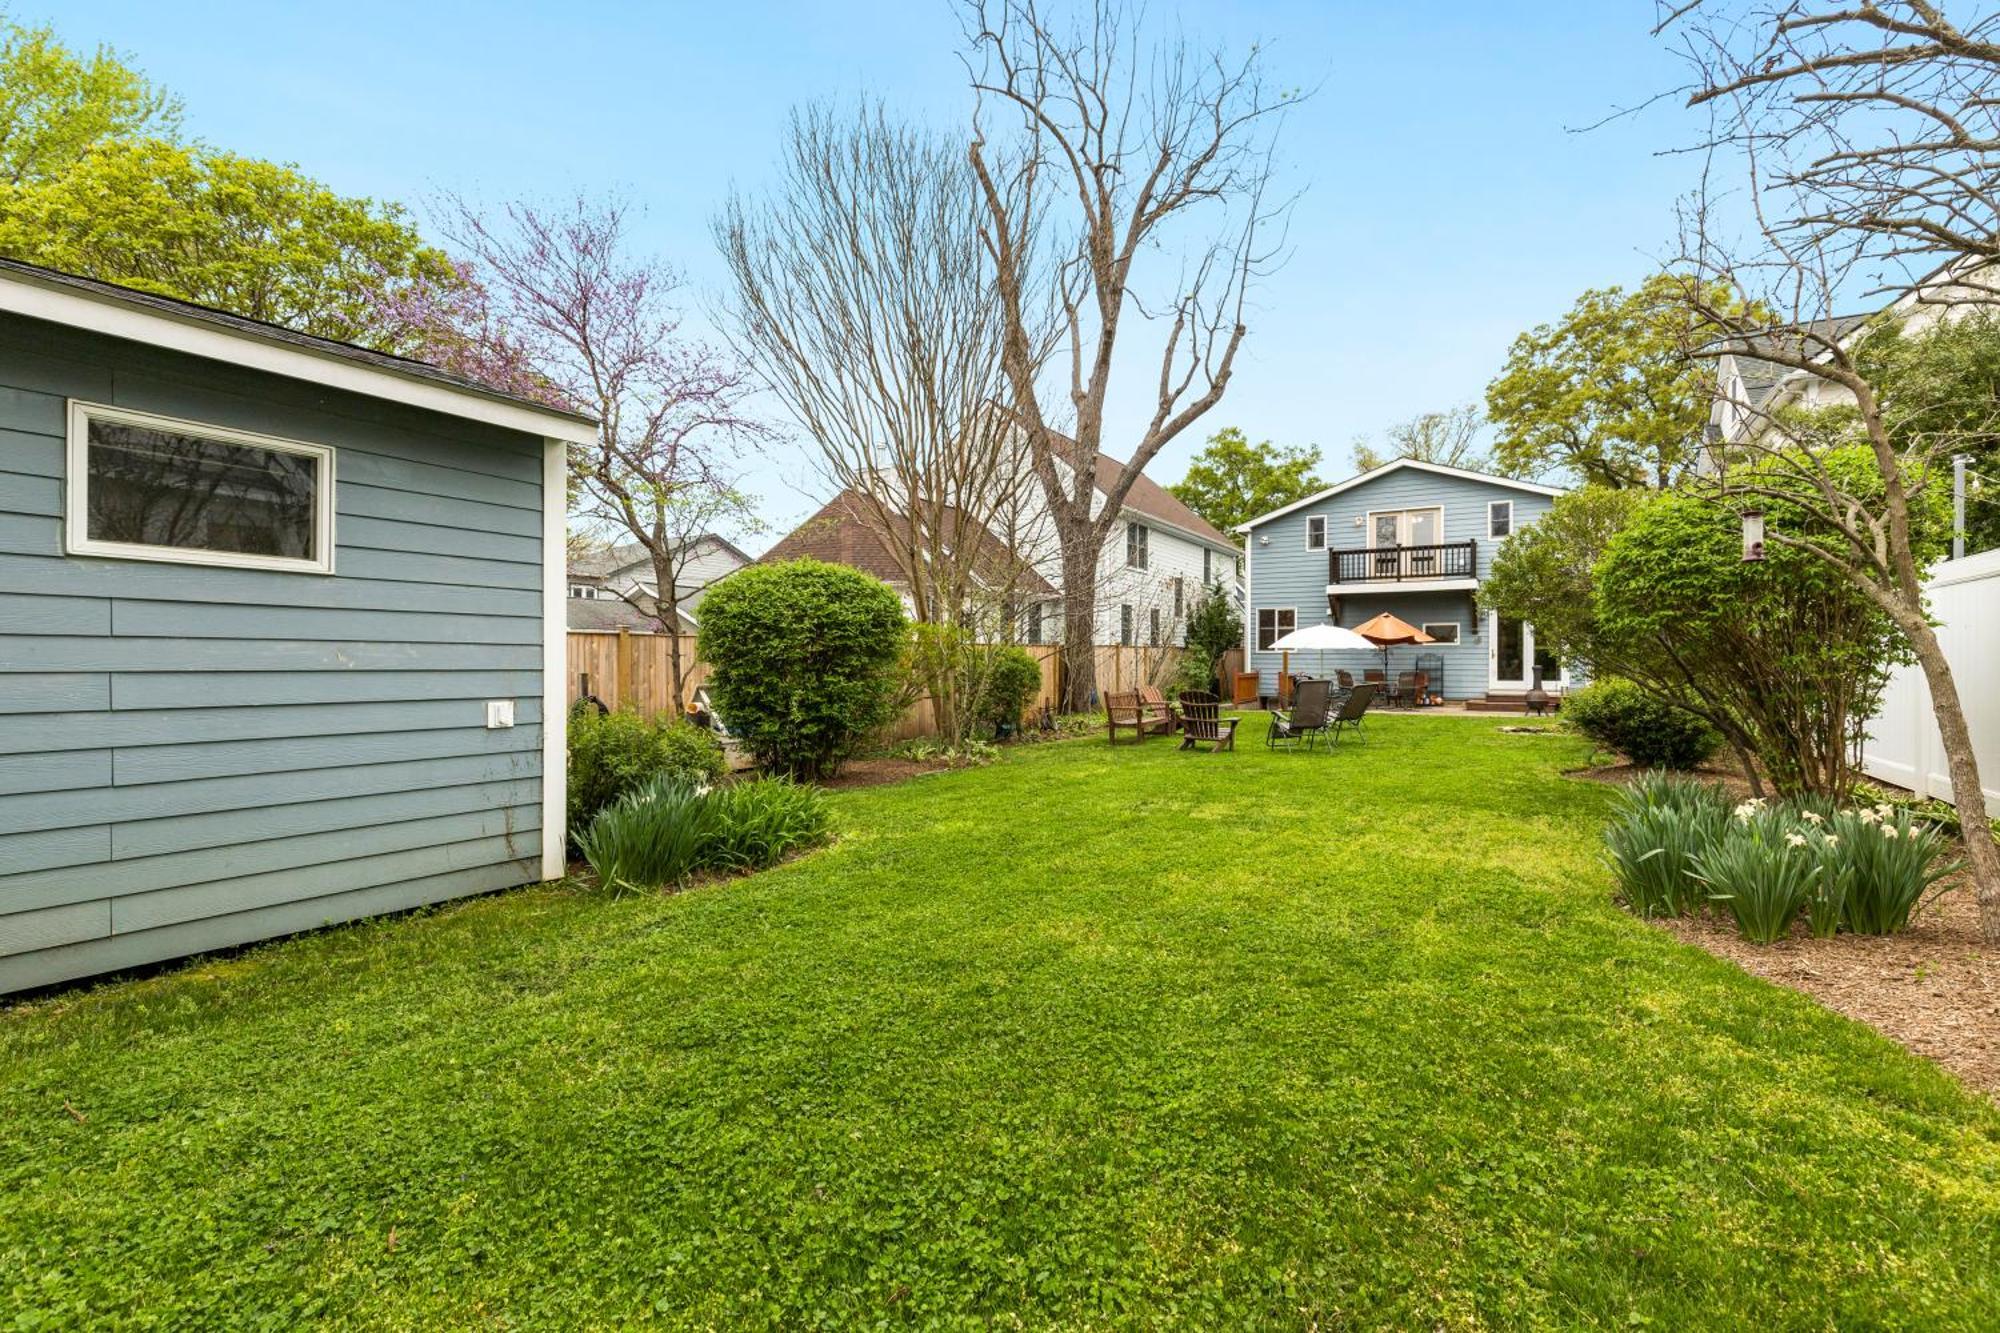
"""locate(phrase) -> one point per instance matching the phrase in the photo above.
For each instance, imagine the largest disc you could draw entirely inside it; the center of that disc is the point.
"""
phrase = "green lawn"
(1085, 1038)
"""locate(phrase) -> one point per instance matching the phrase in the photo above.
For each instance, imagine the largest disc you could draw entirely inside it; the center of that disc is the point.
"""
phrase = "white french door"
(1511, 657)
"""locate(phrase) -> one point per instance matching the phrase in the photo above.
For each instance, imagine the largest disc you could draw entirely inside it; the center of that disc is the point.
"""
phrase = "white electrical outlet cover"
(499, 713)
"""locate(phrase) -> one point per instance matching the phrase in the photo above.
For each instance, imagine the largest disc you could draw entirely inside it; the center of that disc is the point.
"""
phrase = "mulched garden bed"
(1935, 988)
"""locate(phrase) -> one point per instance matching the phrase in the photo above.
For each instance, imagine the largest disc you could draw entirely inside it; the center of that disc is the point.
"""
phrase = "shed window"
(1274, 623)
(144, 487)
(1180, 598)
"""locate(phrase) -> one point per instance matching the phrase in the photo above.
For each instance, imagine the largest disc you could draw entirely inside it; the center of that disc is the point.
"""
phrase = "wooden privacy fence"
(628, 670)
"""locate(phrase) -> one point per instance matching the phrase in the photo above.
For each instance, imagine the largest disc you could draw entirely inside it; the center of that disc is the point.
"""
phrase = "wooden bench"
(1126, 711)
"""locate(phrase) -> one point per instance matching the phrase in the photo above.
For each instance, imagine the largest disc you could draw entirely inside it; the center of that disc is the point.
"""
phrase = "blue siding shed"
(194, 756)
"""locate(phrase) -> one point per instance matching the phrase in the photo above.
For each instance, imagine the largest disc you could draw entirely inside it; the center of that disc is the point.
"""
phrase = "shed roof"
(199, 330)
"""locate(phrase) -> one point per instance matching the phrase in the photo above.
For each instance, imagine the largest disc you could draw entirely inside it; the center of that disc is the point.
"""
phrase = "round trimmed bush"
(1618, 715)
(1013, 678)
(803, 659)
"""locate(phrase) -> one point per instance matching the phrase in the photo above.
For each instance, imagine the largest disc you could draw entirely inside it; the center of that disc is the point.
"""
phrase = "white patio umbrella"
(1321, 639)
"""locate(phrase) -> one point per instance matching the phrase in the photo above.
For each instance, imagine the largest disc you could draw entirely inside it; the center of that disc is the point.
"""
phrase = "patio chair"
(1351, 712)
(1307, 718)
(1202, 722)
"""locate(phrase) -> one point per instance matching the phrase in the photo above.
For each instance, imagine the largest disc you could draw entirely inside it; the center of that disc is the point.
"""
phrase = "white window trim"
(1403, 524)
(1492, 505)
(76, 501)
(1276, 631)
(1319, 521)
(1458, 629)
(1141, 542)
(555, 663)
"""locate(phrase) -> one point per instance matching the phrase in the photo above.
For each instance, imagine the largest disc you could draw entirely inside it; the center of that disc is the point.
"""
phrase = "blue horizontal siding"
(1284, 572)
(195, 757)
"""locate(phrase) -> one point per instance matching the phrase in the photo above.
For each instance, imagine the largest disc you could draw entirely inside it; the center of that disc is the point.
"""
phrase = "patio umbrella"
(1385, 630)
(1321, 639)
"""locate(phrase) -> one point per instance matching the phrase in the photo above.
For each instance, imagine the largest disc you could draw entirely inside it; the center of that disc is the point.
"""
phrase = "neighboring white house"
(605, 584)
(1159, 557)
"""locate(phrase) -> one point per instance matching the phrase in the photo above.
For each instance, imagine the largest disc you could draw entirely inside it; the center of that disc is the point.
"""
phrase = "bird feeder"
(1753, 534)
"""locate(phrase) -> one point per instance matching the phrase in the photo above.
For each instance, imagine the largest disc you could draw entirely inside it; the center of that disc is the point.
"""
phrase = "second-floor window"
(1316, 533)
(1499, 519)
(1207, 568)
(1125, 626)
(1180, 598)
(1135, 546)
(585, 591)
(1035, 623)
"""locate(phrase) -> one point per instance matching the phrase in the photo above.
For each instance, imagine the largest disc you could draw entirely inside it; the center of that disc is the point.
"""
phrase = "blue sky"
(1447, 205)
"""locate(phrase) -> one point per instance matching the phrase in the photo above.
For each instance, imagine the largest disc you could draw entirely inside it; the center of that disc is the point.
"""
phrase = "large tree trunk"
(1963, 764)
(1079, 560)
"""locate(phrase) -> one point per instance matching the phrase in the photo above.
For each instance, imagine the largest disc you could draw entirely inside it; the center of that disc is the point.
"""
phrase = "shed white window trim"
(1444, 631)
(117, 427)
(1499, 519)
(1316, 533)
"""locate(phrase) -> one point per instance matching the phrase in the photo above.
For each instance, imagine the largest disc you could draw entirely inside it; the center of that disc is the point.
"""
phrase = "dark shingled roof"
(405, 366)
(611, 613)
(839, 535)
(1761, 378)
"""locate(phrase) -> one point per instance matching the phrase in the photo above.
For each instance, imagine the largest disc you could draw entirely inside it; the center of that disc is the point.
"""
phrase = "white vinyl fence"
(1903, 745)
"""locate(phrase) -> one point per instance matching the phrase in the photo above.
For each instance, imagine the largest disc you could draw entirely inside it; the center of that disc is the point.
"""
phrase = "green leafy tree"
(256, 238)
(1213, 628)
(1232, 481)
(1545, 573)
(55, 105)
(1607, 393)
(804, 657)
(95, 180)
(1939, 394)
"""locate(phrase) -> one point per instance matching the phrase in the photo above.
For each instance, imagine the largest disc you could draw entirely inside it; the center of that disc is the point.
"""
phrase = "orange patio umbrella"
(1385, 630)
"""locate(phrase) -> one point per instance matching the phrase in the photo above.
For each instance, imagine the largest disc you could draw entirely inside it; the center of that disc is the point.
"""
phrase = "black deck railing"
(1403, 564)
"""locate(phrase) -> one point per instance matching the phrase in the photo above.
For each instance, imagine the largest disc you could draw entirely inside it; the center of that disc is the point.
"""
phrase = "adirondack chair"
(1202, 722)
(1351, 710)
(1159, 714)
(1307, 719)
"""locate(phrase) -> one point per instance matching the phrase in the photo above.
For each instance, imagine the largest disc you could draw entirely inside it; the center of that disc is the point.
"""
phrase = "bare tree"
(1868, 136)
(1450, 438)
(863, 296)
(1108, 159)
(553, 304)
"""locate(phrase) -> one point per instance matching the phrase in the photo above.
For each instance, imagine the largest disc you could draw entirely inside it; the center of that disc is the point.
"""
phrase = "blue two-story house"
(1410, 538)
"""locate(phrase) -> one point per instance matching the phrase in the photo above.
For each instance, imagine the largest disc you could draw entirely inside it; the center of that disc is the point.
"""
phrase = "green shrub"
(756, 824)
(1013, 679)
(1617, 715)
(1762, 868)
(1660, 826)
(1893, 860)
(804, 660)
(611, 754)
(660, 834)
(650, 838)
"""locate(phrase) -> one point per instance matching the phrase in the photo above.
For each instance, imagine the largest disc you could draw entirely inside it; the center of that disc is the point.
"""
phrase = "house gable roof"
(1149, 499)
(839, 535)
(602, 564)
(219, 335)
(1398, 465)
